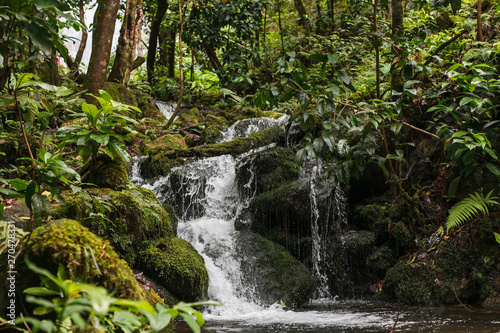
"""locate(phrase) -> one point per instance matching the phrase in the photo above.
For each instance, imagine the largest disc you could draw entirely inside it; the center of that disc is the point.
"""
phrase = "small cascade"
(135, 170)
(166, 109)
(245, 127)
(209, 200)
(328, 214)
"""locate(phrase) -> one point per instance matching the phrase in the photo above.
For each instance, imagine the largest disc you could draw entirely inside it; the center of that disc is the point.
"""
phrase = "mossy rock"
(401, 236)
(271, 169)
(132, 216)
(236, 147)
(287, 205)
(175, 264)
(166, 144)
(380, 260)
(120, 93)
(443, 274)
(85, 256)
(273, 273)
(106, 173)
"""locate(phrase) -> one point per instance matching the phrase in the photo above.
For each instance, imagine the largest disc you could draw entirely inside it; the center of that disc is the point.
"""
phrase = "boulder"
(275, 275)
(175, 264)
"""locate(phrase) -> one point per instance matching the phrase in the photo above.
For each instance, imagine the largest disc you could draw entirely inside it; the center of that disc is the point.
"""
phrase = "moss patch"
(128, 217)
(87, 257)
(176, 264)
(274, 273)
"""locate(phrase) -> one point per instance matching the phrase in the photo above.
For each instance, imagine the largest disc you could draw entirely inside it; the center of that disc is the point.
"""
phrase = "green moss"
(166, 144)
(120, 93)
(271, 169)
(178, 266)
(273, 272)
(106, 173)
(380, 260)
(442, 275)
(85, 256)
(401, 236)
(132, 216)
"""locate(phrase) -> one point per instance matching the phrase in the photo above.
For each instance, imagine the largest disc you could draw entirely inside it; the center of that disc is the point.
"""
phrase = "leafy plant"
(100, 130)
(83, 307)
(466, 209)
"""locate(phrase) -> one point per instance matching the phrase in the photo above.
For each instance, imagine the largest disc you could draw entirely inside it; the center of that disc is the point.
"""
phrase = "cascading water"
(166, 109)
(208, 200)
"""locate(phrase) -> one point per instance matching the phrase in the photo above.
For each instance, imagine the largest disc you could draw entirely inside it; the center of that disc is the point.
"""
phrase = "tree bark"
(299, 6)
(83, 41)
(397, 26)
(479, 34)
(181, 72)
(153, 37)
(102, 38)
(125, 51)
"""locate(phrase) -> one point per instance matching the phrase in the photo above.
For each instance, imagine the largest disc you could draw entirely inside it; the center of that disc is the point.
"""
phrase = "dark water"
(354, 317)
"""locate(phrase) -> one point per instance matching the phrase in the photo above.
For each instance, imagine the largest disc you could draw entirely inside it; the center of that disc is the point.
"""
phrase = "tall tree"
(125, 50)
(102, 38)
(397, 26)
(303, 21)
(153, 37)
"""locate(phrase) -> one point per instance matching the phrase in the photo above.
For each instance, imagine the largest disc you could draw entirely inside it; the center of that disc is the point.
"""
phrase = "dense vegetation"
(403, 94)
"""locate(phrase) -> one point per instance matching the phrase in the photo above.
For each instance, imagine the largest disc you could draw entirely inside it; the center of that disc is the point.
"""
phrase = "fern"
(466, 209)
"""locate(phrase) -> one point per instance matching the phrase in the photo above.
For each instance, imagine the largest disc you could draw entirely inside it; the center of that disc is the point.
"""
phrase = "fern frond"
(468, 208)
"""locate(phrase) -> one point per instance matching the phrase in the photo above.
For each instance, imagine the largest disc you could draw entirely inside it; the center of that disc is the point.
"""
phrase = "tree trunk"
(102, 38)
(212, 56)
(171, 50)
(83, 41)
(153, 37)
(125, 51)
(479, 34)
(397, 26)
(299, 6)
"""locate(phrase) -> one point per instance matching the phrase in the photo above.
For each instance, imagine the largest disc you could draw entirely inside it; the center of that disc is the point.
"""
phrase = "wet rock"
(176, 265)
(274, 273)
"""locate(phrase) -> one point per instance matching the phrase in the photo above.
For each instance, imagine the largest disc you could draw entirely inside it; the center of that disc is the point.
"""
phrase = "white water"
(166, 109)
(245, 127)
(205, 195)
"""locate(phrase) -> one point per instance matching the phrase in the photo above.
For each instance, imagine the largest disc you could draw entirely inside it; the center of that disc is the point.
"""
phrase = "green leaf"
(333, 59)
(192, 323)
(497, 237)
(345, 78)
(30, 191)
(40, 291)
(493, 168)
(452, 189)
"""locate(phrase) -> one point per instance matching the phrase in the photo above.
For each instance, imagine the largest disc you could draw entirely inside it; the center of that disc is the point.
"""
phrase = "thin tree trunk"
(280, 28)
(181, 90)
(102, 37)
(153, 37)
(397, 25)
(479, 34)
(83, 42)
(377, 50)
(170, 48)
(125, 51)
(299, 6)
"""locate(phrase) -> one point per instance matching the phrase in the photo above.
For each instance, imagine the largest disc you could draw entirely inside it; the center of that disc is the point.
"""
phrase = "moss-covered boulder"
(106, 172)
(176, 265)
(160, 150)
(273, 272)
(269, 169)
(127, 218)
(445, 272)
(86, 257)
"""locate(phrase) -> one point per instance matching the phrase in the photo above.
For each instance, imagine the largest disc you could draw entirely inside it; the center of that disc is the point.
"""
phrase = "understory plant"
(470, 207)
(70, 306)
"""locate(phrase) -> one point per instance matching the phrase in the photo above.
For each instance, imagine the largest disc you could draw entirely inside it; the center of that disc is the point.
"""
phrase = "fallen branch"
(458, 299)
(445, 44)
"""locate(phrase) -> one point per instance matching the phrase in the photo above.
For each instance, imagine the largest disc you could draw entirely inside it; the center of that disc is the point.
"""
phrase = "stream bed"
(356, 316)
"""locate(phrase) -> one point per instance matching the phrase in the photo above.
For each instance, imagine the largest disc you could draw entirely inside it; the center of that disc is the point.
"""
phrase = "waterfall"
(209, 201)
(166, 109)
(245, 127)
(328, 205)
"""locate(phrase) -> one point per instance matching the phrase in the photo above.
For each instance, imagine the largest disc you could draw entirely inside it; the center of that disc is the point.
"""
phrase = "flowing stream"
(206, 198)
